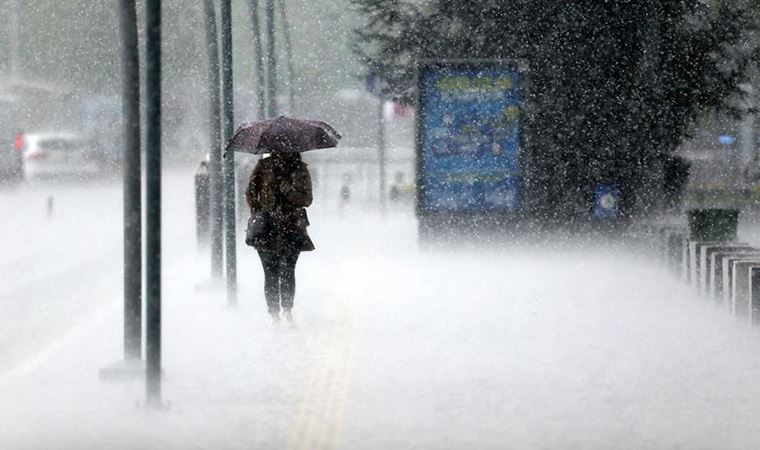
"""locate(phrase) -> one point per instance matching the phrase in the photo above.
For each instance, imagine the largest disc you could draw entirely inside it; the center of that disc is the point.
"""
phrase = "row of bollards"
(709, 258)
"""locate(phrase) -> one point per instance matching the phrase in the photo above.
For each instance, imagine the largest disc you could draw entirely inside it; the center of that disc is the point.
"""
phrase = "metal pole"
(215, 155)
(229, 158)
(153, 200)
(288, 54)
(15, 39)
(259, 59)
(653, 75)
(132, 182)
(271, 62)
(381, 147)
(747, 133)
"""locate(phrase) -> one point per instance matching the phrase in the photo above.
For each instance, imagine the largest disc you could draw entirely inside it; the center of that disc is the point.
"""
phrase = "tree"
(614, 86)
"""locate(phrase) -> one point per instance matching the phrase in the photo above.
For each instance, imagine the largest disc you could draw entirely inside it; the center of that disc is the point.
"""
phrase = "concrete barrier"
(685, 269)
(740, 298)
(715, 285)
(728, 275)
(754, 295)
(705, 263)
(695, 248)
(708, 258)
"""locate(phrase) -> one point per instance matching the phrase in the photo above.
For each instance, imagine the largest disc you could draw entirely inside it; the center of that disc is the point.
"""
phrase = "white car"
(60, 155)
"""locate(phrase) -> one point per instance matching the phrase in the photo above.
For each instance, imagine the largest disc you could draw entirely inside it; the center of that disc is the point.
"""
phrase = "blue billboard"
(469, 138)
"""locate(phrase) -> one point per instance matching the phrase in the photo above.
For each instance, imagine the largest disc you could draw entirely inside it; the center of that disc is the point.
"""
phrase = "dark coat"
(282, 187)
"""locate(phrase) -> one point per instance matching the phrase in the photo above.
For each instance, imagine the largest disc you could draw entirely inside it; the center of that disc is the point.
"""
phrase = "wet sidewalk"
(400, 348)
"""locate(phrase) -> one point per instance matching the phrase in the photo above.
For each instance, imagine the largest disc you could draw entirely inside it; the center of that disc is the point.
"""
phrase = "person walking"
(278, 193)
(280, 186)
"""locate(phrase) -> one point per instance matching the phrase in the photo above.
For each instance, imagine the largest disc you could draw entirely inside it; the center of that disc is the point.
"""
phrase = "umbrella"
(283, 135)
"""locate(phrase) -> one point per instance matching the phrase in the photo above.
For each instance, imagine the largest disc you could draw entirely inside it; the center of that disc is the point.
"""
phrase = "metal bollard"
(710, 266)
(202, 204)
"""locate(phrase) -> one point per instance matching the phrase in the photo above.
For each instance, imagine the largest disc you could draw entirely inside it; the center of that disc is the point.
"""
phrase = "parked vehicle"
(58, 155)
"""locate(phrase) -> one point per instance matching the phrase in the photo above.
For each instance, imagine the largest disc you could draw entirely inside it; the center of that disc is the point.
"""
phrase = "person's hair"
(288, 161)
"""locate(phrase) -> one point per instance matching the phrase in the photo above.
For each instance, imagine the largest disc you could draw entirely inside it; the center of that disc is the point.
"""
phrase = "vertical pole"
(288, 54)
(381, 147)
(215, 136)
(755, 149)
(259, 60)
(153, 200)
(652, 72)
(229, 157)
(748, 133)
(132, 181)
(15, 38)
(271, 62)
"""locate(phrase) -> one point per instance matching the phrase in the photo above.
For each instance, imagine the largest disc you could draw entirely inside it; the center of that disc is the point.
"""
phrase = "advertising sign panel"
(469, 137)
(606, 202)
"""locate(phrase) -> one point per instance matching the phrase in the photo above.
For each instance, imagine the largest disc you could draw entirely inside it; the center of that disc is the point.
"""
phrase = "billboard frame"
(428, 216)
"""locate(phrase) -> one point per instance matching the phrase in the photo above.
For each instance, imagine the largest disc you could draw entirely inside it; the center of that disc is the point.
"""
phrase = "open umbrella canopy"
(283, 135)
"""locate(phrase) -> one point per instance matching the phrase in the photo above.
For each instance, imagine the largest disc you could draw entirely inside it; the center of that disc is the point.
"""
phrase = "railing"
(352, 176)
(724, 271)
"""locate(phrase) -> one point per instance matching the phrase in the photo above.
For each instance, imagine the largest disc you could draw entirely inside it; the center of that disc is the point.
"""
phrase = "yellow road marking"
(338, 385)
(338, 427)
(319, 422)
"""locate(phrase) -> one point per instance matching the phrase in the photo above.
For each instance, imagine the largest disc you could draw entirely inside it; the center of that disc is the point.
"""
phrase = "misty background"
(68, 53)
(562, 341)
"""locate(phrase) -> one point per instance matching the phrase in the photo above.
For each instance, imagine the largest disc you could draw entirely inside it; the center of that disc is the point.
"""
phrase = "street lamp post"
(271, 62)
(289, 55)
(132, 183)
(153, 201)
(215, 154)
(229, 157)
(381, 147)
(15, 38)
(376, 86)
(131, 366)
(259, 60)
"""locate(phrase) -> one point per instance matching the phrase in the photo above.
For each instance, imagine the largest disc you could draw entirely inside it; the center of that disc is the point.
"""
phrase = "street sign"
(606, 202)
(374, 84)
(726, 139)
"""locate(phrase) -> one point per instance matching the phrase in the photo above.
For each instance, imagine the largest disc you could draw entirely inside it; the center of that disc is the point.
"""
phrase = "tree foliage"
(614, 86)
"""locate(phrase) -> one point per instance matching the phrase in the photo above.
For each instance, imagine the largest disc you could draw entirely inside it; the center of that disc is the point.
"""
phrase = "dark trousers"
(279, 278)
